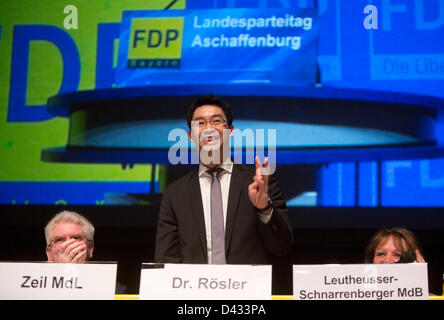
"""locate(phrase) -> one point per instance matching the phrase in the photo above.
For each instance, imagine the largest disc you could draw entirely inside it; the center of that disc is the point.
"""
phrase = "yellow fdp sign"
(155, 43)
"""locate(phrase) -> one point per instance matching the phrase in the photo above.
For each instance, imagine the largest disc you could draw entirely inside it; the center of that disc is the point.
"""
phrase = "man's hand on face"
(70, 251)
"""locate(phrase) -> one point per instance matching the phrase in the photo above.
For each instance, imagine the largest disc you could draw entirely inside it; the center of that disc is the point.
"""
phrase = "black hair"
(211, 100)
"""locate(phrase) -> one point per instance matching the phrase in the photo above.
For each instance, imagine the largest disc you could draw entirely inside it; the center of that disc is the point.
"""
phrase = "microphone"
(407, 257)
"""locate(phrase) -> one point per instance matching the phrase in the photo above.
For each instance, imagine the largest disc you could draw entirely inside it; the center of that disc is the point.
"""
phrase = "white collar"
(227, 165)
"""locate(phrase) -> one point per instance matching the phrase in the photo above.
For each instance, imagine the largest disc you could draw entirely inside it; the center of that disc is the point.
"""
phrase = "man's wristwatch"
(268, 206)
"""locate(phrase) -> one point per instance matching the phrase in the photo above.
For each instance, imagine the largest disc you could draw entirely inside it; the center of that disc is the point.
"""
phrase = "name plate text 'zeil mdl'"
(204, 282)
(57, 281)
(360, 282)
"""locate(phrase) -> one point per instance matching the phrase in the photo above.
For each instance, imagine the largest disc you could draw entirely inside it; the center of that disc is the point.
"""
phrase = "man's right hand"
(71, 251)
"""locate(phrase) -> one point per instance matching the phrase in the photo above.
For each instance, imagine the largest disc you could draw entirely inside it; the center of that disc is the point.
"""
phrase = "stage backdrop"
(51, 47)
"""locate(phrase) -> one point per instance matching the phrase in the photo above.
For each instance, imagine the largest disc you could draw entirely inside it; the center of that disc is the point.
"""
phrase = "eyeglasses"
(59, 240)
(215, 122)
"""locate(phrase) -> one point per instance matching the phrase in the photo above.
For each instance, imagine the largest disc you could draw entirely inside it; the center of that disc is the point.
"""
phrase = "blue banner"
(218, 46)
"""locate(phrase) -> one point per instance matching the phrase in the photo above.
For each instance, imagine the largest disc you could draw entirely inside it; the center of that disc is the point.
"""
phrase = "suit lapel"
(236, 183)
(197, 212)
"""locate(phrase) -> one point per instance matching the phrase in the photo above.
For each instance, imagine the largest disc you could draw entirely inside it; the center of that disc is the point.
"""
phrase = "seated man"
(69, 238)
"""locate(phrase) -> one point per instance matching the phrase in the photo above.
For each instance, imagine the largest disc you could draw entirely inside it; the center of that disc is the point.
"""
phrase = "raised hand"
(258, 189)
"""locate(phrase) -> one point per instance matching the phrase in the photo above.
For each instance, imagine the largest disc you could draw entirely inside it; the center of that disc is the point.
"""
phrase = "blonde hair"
(71, 216)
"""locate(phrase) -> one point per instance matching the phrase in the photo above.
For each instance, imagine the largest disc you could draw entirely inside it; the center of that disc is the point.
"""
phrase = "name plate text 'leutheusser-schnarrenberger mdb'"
(360, 282)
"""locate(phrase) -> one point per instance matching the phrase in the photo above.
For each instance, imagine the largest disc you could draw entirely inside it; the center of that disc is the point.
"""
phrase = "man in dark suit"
(253, 225)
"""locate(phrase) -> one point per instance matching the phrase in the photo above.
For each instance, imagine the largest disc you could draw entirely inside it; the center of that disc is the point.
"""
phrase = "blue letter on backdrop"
(23, 35)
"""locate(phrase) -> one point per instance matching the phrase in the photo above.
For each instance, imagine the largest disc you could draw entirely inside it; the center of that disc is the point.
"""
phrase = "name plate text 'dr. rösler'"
(205, 282)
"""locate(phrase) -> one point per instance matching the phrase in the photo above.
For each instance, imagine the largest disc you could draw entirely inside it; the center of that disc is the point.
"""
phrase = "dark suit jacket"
(181, 236)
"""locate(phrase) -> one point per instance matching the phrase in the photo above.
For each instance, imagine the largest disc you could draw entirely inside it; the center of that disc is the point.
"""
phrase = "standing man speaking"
(221, 212)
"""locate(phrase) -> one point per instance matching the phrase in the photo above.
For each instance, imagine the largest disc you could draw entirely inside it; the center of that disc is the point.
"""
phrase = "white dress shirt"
(205, 189)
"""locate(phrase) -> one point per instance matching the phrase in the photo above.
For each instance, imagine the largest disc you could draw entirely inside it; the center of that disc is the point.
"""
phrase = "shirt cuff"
(264, 218)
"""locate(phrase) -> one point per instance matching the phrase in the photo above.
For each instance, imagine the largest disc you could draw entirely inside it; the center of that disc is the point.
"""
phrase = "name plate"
(360, 282)
(57, 281)
(204, 282)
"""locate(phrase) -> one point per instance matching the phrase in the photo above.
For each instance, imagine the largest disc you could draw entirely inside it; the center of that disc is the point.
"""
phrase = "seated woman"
(387, 246)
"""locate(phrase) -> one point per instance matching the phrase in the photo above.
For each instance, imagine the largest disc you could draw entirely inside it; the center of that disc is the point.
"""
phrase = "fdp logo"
(155, 43)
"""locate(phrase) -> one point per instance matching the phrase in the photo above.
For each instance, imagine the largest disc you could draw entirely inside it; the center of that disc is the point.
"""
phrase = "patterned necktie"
(217, 219)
